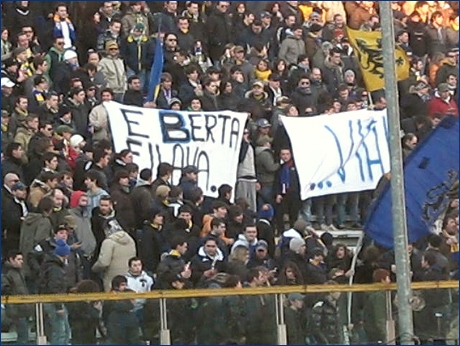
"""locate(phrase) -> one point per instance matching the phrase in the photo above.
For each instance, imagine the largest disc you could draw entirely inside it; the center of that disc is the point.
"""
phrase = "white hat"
(6, 82)
(69, 54)
(76, 140)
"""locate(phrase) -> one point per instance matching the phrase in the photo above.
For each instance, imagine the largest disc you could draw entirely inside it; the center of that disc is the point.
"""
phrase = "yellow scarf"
(175, 253)
(262, 75)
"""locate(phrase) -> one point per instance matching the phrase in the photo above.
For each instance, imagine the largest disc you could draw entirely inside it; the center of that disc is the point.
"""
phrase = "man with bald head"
(8, 181)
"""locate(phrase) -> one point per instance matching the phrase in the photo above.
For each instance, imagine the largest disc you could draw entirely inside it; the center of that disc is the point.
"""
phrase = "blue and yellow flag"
(368, 49)
(156, 71)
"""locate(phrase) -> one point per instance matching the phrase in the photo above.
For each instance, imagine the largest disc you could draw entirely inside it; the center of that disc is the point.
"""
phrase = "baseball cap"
(111, 45)
(262, 244)
(6, 82)
(263, 123)
(265, 14)
(259, 83)
(295, 296)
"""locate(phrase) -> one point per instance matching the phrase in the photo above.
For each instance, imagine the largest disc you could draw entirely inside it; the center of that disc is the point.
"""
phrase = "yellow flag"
(367, 46)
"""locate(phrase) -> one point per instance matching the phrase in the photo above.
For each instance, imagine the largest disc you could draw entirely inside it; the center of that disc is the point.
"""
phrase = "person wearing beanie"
(53, 280)
(296, 253)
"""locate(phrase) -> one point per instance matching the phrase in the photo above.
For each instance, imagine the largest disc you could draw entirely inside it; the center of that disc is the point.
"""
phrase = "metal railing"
(164, 295)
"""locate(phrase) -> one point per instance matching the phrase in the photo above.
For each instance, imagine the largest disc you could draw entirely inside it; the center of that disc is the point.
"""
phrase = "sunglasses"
(171, 39)
(60, 43)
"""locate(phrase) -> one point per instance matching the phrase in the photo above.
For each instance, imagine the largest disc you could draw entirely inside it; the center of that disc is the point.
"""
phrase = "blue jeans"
(350, 199)
(305, 211)
(60, 328)
(324, 206)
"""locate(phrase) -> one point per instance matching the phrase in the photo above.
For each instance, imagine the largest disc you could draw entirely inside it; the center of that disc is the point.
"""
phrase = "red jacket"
(438, 105)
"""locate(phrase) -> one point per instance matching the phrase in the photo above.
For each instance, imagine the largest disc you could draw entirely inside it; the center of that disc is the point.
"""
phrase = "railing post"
(165, 337)
(391, 332)
(41, 337)
(280, 327)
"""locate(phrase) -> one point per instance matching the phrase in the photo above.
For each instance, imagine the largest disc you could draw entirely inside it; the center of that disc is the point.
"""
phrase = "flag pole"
(403, 277)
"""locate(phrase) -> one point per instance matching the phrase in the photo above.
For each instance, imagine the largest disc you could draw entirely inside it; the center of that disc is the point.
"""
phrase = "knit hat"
(266, 212)
(69, 54)
(75, 197)
(76, 140)
(139, 26)
(295, 296)
(295, 244)
(300, 225)
(61, 129)
(443, 87)
(61, 249)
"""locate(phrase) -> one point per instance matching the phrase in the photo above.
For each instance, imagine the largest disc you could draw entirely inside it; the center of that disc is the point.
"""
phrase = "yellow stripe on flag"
(368, 49)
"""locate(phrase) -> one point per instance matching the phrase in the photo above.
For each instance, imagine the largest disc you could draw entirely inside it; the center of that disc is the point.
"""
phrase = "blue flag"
(155, 73)
(430, 171)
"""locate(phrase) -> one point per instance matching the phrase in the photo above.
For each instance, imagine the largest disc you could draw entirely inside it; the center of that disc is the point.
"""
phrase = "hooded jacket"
(291, 48)
(35, 228)
(332, 75)
(113, 258)
(202, 262)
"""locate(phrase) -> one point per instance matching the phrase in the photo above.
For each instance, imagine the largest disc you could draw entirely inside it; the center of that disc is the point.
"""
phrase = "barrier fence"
(163, 295)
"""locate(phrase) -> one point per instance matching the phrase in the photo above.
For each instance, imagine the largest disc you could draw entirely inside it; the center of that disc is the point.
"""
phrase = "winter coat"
(435, 45)
(219, 30)
(83, 231)
(295, 326)
(133, 98)
(141, 198)
(290, 49)
(172, 265)
(12, 165)
(34, 229)
(130, 19)
(123, 324)
(137, 55)
(113, 258)
(438, 105)
(201, 262)
(80, 117)
(98, 119)
(444, 71)
(209, 102)
(114, 73)
(151, 246)
(23, 136)
(140, 283)
(14, 283)
(332, 76)
(411, 105)
(12, 212)
(84, 321)
(123, 207)
(302, 98)
(357, 17)
(374, 316)
(53, 278)
(325, 325)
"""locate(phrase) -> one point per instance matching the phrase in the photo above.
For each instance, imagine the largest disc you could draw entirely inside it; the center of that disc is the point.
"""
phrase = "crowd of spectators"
(78, 217)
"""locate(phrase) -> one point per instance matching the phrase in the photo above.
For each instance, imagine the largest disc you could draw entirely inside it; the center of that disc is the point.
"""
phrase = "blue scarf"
(285, 178)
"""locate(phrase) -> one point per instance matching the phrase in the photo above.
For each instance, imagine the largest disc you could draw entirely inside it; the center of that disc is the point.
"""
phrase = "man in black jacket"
(53, 280)
(218, 27)
(13, 283)
(133, 96)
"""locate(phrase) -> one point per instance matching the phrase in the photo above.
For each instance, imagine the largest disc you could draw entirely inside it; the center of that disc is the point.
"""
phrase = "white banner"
(337, 153)
(210, 141)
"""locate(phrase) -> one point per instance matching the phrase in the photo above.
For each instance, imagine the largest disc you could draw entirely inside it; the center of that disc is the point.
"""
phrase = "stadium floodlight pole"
(403, 277)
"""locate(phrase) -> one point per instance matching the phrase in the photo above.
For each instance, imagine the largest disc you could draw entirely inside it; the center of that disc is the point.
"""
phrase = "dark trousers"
(290, 205)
